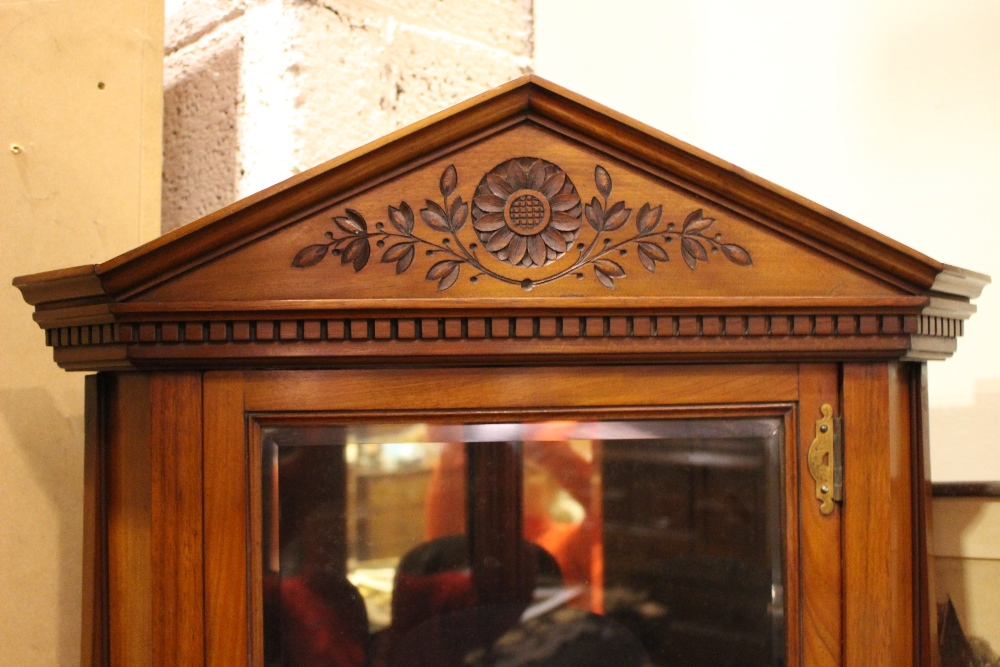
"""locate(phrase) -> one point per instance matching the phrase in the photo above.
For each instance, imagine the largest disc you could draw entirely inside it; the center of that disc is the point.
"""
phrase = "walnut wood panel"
(877, 519)
(227, 620)
(499, 388)
(94, 630)
(130, 547)
(820, 540)
(176, 488)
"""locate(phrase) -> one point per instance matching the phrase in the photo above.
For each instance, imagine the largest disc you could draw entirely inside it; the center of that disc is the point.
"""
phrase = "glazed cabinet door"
(639, 515)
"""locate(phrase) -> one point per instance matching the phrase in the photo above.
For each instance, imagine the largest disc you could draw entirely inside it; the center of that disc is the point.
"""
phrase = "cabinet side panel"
(819, 534)
(129, 521)
(93, 636)
(878, 544)
(227, 637)
(176, 459)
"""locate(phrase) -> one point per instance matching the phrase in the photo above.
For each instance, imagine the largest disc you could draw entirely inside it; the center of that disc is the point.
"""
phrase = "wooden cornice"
(94, 321)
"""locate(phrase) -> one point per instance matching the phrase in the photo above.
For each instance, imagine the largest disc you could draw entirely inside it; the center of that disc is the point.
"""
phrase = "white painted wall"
(887, 111)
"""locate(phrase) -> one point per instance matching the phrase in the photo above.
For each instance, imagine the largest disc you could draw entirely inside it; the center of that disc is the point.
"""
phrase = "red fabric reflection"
(550, 466)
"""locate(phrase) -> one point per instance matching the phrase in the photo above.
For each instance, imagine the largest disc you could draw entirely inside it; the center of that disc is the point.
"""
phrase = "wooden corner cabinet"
(526, 383)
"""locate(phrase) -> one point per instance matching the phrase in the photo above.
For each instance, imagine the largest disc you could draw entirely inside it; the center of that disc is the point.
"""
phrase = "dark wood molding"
(966, 489)
(275, 340)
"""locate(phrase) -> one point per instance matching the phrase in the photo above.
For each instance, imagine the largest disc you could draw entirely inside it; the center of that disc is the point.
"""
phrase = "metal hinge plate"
(826, 460)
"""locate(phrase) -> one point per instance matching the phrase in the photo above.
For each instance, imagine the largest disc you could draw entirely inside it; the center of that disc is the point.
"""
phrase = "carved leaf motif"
(603, 181)
(404, 262)
(445, 272)
(595, 214)
(357, 251)
(449, 180)
(402, 218)
(610, 268)
(353, 223)
(648, 218)
(310, 256)
(606, 271)
(649, 254)
(459, 214)
(434, 216)
(736, 254)
(617, 216)
(692, 251)
(696, 223)
(396, 252)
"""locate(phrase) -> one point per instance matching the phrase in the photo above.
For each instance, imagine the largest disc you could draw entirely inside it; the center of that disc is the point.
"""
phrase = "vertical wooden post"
(94, 637)
(877, 517)
(228, 616)
(819, 536)
(154, 519)
(130, 622)
(925, 600)
(176, 491)
(494, 497)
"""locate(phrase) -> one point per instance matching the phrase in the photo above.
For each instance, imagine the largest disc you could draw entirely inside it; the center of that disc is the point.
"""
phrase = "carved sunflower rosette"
(526, 213)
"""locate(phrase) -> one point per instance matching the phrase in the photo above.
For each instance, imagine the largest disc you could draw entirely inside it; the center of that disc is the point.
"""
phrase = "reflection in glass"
(558, 543)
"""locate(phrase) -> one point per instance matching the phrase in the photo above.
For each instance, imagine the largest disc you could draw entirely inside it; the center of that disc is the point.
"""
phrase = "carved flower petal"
(490, 203)
(553, 185)
(564, 222)
(498, 186)
(500, 240)
(517, 248)
(515, 176)
(553, 239)
(564, 202)
(536, 249)
(490, 222)
(536, 175)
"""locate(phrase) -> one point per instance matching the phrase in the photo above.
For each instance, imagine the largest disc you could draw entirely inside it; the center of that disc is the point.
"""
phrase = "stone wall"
(258, 90)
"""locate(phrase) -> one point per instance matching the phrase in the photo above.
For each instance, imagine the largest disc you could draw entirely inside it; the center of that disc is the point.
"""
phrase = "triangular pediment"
(526, 212)
(525, 200)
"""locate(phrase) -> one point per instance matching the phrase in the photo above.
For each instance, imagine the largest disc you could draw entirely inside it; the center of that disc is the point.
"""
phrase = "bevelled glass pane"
(544, 544)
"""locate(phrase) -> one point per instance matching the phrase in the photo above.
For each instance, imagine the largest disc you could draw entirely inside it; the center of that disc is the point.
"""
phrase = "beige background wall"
(79, 182)
(883, 110)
